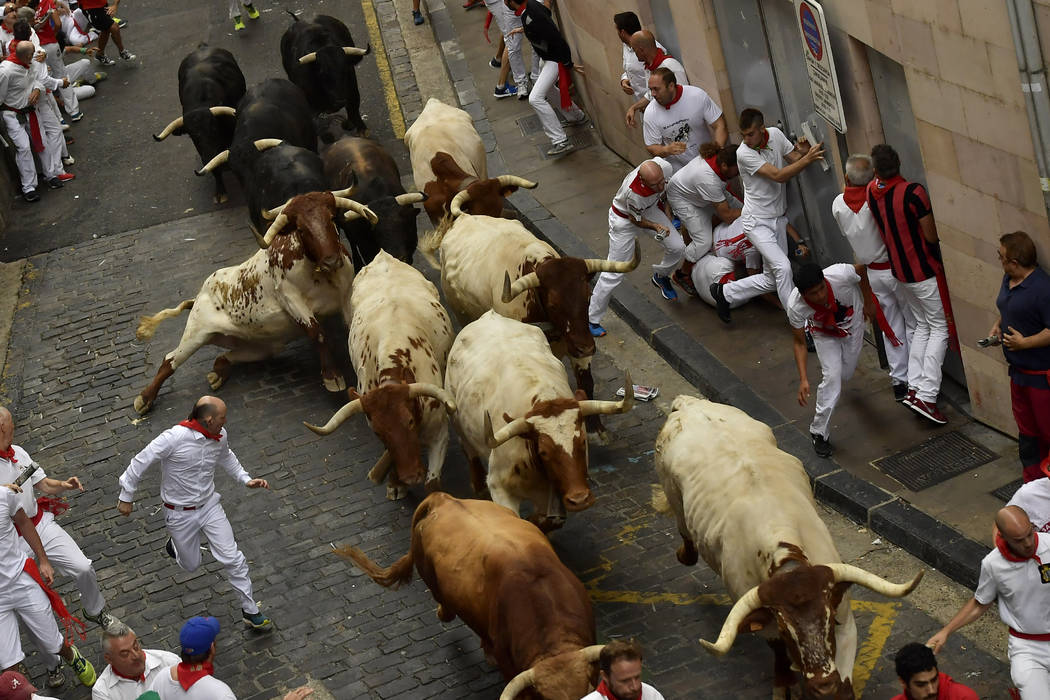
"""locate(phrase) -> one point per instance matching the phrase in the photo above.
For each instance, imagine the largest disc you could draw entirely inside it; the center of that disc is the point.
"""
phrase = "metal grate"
(935, 460)
(582, 139)
(530, 125)
(1006, 492)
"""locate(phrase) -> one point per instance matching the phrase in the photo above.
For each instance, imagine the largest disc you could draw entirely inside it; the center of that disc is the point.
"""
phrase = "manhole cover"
(530, 125)
(935, 460)
(1006, 492)
(582, 139)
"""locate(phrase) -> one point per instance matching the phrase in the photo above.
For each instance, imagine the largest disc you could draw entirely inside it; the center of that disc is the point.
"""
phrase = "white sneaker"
(68, 160)
(560, 148)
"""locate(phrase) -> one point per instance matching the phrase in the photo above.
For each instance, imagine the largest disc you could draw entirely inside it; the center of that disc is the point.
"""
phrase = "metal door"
(663, 22)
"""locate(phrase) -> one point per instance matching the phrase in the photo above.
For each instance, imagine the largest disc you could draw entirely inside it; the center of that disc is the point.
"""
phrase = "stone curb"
(915, 531)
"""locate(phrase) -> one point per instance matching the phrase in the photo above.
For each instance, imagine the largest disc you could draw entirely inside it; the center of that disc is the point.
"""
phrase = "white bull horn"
(223, 111)
(518, 683)
(590, 407)
(515, 181)
(353, 51)
(529, 281)
(308, 58)
(175, 124)
(215, 162)
(349, 409)
(360, 209)
(265, 144)
(748, 603)
(847, 573)
(590, 654)
(410, 198)
(433, 391)
(271, 214)
(280, 222)
(349, 190)
(518, 426)
(602, 265)
(456, 207)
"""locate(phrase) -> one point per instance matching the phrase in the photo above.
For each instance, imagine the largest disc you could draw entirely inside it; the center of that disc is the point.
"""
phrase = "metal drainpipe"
(1033, 84)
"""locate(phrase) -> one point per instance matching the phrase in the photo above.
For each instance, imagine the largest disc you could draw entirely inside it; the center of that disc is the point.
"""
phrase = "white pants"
(68, 560)
(895, 307)
(621, 249)
(769, 236)
(70, 98)
(544, 97)
(50, 159)
(185, 528)
(24, 600)
(507, 21)
(696, 220)
(838, 360)
(929, 342)
(235, 7)
(708, 270)
(1030, 667)
(81, 70)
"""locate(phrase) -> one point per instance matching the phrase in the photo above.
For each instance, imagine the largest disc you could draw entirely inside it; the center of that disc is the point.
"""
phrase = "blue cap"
(198, 634)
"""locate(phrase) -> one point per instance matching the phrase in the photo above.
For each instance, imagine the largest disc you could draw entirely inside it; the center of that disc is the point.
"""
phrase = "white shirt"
(845, 284)
(686, 119)
(672, 64)
(1034, 498)
(110, 686)
(763, 198)
(635, 71)
(1024, 597)
(697, 183)
(16, 83)
(9, 472)
(628, 200)
(732, 243)
(207, 688)
(861, 231)
(188, 460)
(77, 28)
(648, 693)
(12, 558)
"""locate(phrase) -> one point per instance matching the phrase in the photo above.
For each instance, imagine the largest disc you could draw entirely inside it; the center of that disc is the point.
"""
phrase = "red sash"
(564, 82)
(191, 673)
(488, 23)
(46, 504)
(605, 692)
(194, 425)
(1033, 637)
(946, 302)
(70, 623)
(825, 316)
(884, 324)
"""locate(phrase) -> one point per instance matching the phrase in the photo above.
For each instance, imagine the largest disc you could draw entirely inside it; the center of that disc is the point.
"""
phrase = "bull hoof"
(433, 485)
(601, 437)
(444, 615)
(215, 380)
(141, 406)
(396, 493)
(221, 199)
(334, 383)
(687, 555)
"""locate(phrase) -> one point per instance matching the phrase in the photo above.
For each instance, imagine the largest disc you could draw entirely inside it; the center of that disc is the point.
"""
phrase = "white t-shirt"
(731, 242)
(763, 198)
(686, 119)
(9, 472)
(698, 184)
(12, 558)
(1023, 592)
(207, 688)
(672, 64)
(1034, 498)
(648, 693)
(861, 231)
(110, 686)
(630, 198)
(636, 72)
(845, 285)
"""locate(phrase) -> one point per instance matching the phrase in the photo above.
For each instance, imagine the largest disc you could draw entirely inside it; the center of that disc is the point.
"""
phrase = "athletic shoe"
(65, 125)
(254, 14)
(495, 63)
(127, 55)
(417, 17)
(54, 183)
(68, 160)
(596, 330)
(258, 621)
(583, 121)
(663, 283)
(120, 22)
(721, 305)
(909, 399)
(104, 60)
(502, 91)
(104, 620)
(821, 445)
(83, 668)
(169, 547)
(900, 391)
(928, 410)
(238, 23)
(76, 117)
(560, 148)
(66, 177)
(523, 89)
(682, 280)
(101, 75)
(56, 677)
(31, 196)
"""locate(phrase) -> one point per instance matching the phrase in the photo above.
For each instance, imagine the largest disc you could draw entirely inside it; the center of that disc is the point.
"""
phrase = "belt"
(171, 507)
(619, 213)
(1032, 637)
(880, 266)
(1037, 372)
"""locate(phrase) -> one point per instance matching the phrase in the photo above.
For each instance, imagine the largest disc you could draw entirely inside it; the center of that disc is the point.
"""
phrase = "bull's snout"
(331, 263)
(825, 687)
(578, 500)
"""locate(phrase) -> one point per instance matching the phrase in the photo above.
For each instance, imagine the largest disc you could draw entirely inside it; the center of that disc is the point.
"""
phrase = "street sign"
(824, 84)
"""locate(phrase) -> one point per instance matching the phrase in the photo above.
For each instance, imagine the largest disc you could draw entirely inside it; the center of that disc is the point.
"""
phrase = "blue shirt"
(1026, 308)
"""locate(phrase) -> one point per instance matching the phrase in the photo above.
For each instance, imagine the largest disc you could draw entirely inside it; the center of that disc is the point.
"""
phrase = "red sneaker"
(66, 177)
(928, 410)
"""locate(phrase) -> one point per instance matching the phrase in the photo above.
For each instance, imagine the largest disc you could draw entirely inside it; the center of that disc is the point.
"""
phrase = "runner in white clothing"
(1034, 498)
(131, 668)
(512, 55)
(620, 674)
(679, 119)
(188, 455)
(635, 78)
(652, 55)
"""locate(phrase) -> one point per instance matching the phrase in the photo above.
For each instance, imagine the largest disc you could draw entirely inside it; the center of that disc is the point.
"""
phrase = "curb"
(911, 529)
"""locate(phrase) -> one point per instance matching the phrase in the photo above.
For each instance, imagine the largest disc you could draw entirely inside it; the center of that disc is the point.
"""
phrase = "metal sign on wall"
(816, 47)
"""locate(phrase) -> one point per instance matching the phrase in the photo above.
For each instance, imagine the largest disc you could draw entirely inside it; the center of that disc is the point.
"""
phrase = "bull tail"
(148, 324)
(430, 243)
(659, 500)
(294, 16)
(390, 577)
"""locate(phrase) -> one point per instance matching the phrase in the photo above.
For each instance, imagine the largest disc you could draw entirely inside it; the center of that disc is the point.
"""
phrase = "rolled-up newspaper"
(26, 473)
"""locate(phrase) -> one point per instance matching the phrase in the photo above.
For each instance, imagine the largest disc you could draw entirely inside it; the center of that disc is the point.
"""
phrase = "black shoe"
(169, 547)
(31, 196)
(54, 183)
(721, 305)
(822, 446)
(810, 346)
(900, 391)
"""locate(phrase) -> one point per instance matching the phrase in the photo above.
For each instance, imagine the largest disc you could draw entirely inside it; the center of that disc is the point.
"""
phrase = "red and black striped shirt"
(897, 206)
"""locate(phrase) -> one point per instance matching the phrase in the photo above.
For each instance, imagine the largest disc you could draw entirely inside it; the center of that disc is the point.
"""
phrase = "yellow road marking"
(393, 105)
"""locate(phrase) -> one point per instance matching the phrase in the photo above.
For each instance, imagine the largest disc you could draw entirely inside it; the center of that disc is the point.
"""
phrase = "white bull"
(440, 127)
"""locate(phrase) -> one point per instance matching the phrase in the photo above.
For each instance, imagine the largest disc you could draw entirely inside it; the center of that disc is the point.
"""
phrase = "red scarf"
(713, 162)
(9, 454)
(141, 678)
(640, 188)
(855, 197)
(517, 12)
(879, 188)
(35, 137)
(605, 692)
(191, 673)
(1000, 544)
(70, 623)
(658, 58)
(677, 96)
(194, 425)
(824, 317)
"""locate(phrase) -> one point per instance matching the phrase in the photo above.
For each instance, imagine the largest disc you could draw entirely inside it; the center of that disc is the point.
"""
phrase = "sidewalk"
(748, 363)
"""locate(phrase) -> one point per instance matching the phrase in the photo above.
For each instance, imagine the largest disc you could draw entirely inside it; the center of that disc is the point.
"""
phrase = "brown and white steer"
(500, 575)
(400, 336)
(447, 157)
(502, 374)
(747, 508)
(491, 263)
(254, 308)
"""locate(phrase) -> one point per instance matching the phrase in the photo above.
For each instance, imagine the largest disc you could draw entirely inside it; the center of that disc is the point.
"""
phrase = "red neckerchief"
(765, 141)
(640, 188)
(141, 678)
(713, 162)
(605, 692)
(517, 12)
(878, 188)
(9, 454)
(1000, 544)
(855, 197)
(825, 316)
(677, 96)
(191, 673)
(194, 425)
(70, 623)
(658, 58)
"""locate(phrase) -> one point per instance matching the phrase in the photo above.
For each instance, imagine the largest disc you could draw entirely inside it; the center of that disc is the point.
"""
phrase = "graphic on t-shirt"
(1044, 572)
(683, 133)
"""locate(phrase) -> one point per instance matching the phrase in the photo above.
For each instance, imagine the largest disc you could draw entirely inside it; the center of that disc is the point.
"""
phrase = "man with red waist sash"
(188, 454)
(1017, 573)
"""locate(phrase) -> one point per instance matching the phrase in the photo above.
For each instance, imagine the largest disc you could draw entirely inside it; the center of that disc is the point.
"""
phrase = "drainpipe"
(1034, 84)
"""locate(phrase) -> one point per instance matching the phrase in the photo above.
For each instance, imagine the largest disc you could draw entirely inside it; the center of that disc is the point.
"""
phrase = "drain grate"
(582, 139)
(935, 460)
(1006, 492)
(530, 125)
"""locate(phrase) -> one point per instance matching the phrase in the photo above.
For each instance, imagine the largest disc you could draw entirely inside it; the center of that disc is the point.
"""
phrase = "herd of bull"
(742, 504)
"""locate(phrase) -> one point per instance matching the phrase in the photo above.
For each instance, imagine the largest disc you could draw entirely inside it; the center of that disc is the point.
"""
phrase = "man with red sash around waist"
(188, 454)
(832, 304)
(1017, 573)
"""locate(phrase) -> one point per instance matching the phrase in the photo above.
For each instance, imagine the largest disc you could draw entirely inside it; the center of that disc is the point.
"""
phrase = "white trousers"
(81, 70)
(1030, 667)
(696, 220)
(838, 361)
(895, 307)
(235, 7)
(68, 560)
(708, 270)
(929, 342)
(769, 236)
(544, 97)
(58, 70)
(185, 528)
(507, 21)
(50, 159)
(621, 249)
(24, 600)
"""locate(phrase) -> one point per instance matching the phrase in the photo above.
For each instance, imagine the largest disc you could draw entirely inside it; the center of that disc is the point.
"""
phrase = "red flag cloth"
(884, 324)
(70, 623)
(946, 302)
(191, 673)
(604, 690)
(564, 82)
(194, 425)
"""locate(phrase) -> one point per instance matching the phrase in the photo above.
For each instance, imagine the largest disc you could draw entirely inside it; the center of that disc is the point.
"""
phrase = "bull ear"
(580, 395)
(837, 592)
(756, 620)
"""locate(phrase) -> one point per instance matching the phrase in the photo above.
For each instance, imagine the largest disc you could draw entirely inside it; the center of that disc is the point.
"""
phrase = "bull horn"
(515, 181)
(351, 51)
(223, 111)
(847, 573)
(408, 198)
(271, 214)
(264, 144)
(456, 207)
(518, 426)
(748, 603)
(175, 124)
(360, 209)
(347, 191)
(350, 408)
(280, 222)
(518, 683)
(433, 391)
(215, 162)
(308, 58)
(590, 654)
(590, 407)
(529, 281)
(602, 265)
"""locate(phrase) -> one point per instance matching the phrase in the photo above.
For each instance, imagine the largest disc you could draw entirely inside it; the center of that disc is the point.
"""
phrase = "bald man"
(652, 55)
(1015, 574)
(188, 454)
